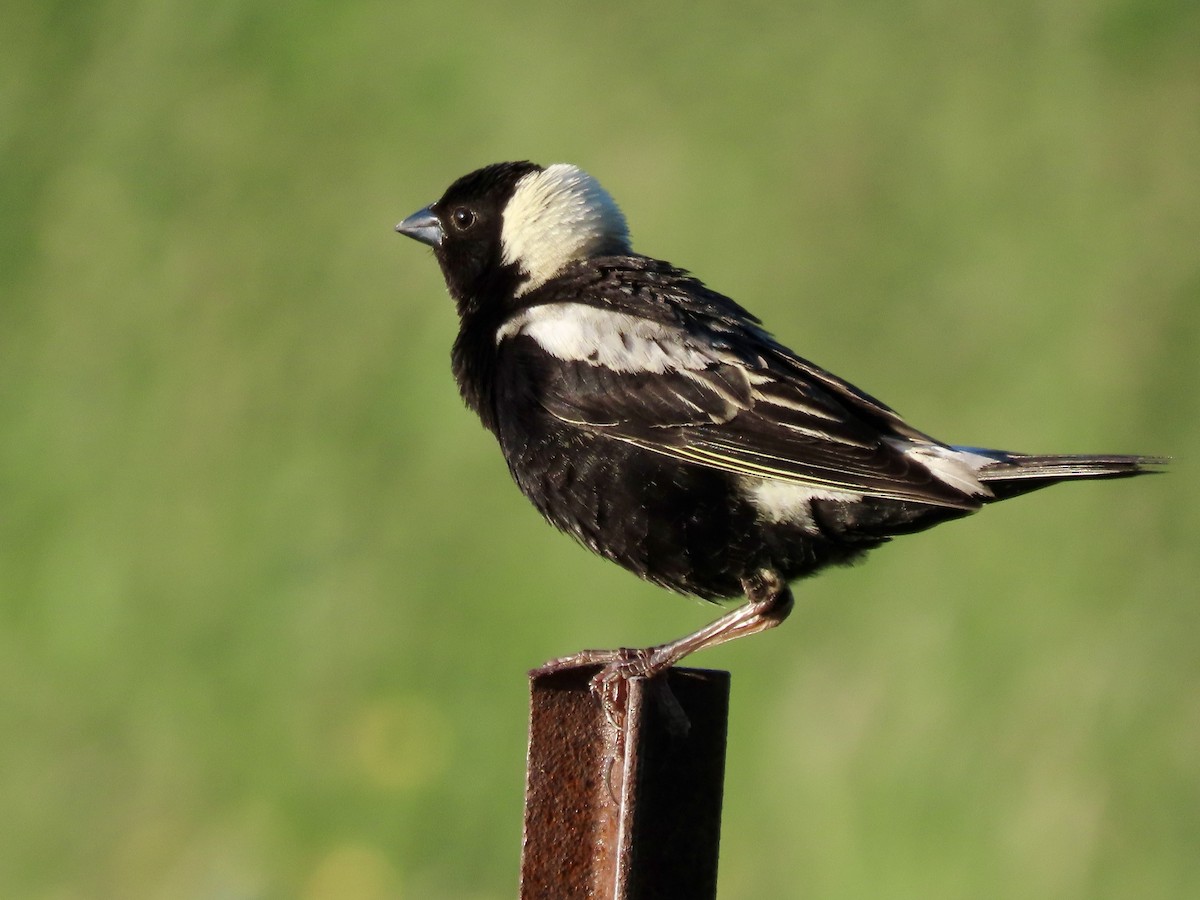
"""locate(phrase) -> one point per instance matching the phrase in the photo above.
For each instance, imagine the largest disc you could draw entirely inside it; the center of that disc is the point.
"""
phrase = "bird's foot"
(769, 600)
(610, 685)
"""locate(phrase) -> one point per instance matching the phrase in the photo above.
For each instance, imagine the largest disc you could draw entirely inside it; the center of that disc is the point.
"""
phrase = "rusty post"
(635, 818)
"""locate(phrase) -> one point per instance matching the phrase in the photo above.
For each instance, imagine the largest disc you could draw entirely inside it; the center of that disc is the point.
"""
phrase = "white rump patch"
(556, 216)
(786, 501)
(957, 468)
(601, 337)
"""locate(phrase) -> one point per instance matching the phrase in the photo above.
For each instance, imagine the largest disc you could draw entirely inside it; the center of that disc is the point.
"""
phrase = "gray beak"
(423, 226)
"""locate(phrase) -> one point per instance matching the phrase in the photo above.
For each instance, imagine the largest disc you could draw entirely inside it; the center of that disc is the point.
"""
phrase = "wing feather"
(721, 393)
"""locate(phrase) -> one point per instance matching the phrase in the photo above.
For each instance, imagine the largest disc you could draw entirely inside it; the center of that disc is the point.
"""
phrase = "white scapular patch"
(786, 501)
(556, 216)
(600, 337)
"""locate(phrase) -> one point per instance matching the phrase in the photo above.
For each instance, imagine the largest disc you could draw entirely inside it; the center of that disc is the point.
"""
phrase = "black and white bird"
(656, 421)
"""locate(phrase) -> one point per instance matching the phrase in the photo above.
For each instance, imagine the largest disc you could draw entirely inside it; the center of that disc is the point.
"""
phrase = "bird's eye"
(462, 218)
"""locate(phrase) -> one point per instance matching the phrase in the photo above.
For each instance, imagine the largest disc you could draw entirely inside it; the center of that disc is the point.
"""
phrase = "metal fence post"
(630, 817)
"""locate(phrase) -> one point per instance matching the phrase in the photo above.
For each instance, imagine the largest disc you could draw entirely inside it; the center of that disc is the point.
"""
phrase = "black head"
(509, 227)
(465, 229)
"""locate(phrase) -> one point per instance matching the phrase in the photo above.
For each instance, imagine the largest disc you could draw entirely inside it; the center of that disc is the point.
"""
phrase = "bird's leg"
(769, 600)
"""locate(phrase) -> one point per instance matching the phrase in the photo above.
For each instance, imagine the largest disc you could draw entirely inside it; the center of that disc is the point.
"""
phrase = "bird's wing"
(728, 399)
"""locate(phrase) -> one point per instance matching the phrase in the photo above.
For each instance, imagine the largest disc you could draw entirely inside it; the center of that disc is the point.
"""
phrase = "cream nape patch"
(556, 216)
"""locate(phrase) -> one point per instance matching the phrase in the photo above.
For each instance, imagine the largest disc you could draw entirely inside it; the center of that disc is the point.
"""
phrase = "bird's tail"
(1011, 474)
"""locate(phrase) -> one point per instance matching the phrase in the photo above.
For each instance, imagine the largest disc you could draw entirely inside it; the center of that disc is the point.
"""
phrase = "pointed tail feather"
(1016, 473)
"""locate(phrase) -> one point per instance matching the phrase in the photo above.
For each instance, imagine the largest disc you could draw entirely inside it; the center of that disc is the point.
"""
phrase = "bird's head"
(508, 228)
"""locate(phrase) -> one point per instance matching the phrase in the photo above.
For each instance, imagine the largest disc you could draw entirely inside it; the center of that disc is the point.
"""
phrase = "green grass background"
(267, 596)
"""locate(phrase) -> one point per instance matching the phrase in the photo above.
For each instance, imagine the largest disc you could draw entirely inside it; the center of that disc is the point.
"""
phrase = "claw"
(610, 686)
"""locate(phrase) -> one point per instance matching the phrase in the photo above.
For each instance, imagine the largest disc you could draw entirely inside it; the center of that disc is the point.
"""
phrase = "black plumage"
(659, 424)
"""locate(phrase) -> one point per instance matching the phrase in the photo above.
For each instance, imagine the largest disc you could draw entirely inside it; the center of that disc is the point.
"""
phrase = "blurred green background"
(267, 596)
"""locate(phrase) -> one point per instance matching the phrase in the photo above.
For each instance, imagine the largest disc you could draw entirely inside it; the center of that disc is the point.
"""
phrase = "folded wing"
(730, 399)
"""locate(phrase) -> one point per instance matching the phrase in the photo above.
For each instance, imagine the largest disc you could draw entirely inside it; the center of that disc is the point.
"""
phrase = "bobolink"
(658, 423)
